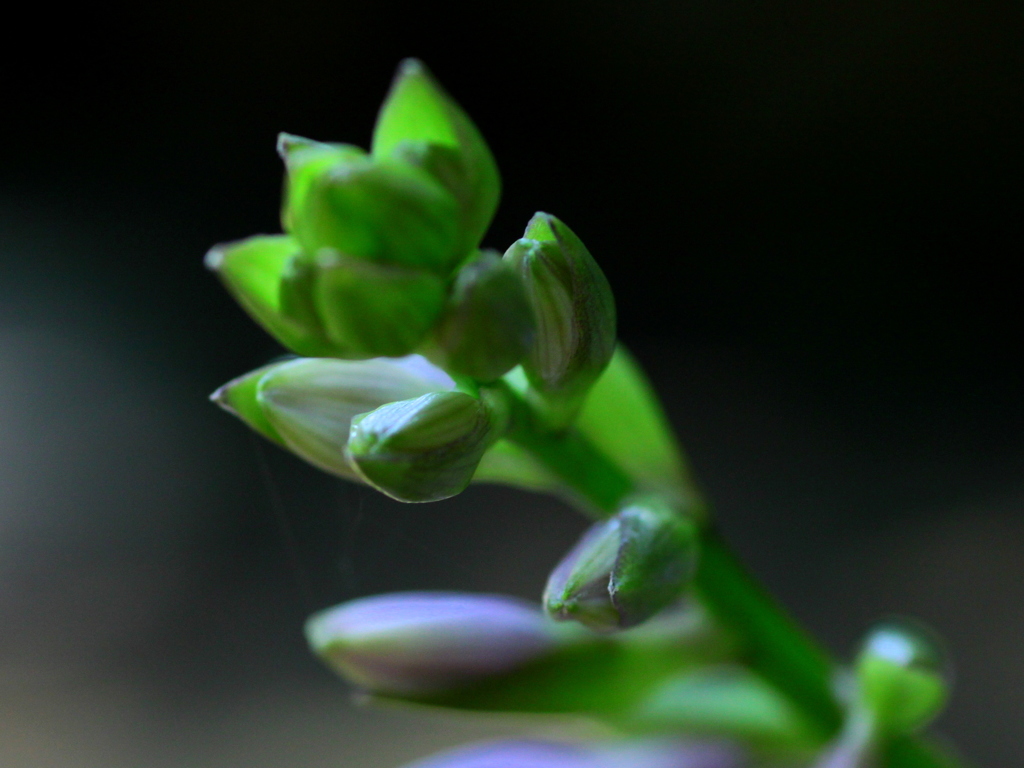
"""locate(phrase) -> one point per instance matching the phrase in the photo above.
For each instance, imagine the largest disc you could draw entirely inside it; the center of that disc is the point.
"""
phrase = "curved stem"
(776, 646)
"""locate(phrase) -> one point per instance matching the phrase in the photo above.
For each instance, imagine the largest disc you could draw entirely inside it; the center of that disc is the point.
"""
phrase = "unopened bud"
(381, 210)
(422, 125)
(417, 643)
(626, 568)
(253, 271)
(305, 161)
(901, 674)
(238, 397)
(487, 325)
(425, 449)
(308, 404)
(646, 753)
(374, 310)
(575, 314)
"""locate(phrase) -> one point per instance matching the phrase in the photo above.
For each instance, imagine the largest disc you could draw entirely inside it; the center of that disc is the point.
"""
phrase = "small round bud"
(901, 675)
(416, 643)
(424, 449)
(625, 569)
(374, 310)
(487, 324)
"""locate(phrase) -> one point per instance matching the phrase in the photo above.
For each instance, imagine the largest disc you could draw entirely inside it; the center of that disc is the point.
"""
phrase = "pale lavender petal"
(669, 753)
(511, 754)
(548, 754)
(417, 642)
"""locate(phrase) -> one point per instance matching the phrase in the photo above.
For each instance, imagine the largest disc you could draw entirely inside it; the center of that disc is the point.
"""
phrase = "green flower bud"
(374, 310)
(238, 397)
(487, 325)
(308, 404)
(425, 449)
(306, 160)
(626, 568)
(253, 270)
(574, 311)
(901, 676)
(380, 210)
(422, 125)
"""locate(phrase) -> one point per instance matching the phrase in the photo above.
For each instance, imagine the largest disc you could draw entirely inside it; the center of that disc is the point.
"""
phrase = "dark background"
(811, 216)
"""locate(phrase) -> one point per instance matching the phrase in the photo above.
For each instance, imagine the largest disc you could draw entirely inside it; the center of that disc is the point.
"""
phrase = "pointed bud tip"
(411, 67)
(541, 227)
(220, 397)
(286, 142)
(214, 258)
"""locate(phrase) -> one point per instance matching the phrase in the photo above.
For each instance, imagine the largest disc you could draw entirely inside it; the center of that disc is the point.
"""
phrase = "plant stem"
(775, 645)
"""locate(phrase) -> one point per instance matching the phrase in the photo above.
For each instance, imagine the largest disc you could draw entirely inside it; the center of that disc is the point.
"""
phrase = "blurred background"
(810, 213)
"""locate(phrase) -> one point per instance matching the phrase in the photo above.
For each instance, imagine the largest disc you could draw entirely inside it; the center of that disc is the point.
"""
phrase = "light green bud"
(901, 676)
(308, 404)
(305, 161)
(253, 270)
(238, 397)
(371, 310)
(575, 314)
(425, 449)
(487, 325)
(422, 125)
(381, 210)
(625, 569)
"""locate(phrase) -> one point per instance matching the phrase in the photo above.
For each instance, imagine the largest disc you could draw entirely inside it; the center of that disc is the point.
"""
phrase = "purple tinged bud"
(505, 754)
(412, 643)
(548, 754)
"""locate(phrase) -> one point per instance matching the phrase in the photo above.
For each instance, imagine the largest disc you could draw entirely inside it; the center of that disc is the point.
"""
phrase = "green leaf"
(623, 417)
(252, 271)
(604, 676)
(508, 464)
(724, 701)
(422, 124)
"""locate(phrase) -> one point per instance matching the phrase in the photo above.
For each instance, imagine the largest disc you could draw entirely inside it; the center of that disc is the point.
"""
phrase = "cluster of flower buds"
(428, 363)
(372, 240)
(379, 270)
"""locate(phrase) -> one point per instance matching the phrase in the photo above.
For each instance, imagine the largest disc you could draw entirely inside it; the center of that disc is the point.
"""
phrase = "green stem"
(775, 646)
(569, 455)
